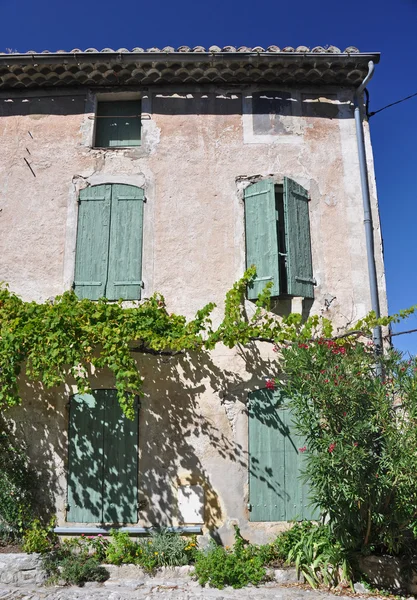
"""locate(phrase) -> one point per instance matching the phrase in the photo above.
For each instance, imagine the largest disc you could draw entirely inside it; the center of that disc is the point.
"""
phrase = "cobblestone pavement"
(136, 590)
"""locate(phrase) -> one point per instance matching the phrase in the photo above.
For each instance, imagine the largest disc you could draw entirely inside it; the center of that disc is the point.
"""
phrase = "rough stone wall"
(199, 150)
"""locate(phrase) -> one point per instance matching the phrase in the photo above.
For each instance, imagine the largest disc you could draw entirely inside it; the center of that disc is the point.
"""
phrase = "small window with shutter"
(277, 228)
(108, 256)
(118, 124)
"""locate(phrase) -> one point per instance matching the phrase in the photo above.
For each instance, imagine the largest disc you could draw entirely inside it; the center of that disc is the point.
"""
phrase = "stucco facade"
(202, 144)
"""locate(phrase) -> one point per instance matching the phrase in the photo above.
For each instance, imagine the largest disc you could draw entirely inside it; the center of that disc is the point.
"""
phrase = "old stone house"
(125, 172)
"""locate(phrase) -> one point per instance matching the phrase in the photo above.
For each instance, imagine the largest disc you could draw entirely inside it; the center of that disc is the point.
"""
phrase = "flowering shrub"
(361, 433)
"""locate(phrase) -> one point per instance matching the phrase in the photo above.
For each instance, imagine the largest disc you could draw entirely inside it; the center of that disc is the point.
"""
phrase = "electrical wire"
(371, 114)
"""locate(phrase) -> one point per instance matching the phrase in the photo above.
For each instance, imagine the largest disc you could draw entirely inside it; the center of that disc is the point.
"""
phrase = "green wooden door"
(102, 461)
(120, 481)
(85, 459)
(276, 491)
(261, 236)
(125, 252)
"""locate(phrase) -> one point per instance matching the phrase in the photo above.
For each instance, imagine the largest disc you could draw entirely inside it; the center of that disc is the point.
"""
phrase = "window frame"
(116, 98)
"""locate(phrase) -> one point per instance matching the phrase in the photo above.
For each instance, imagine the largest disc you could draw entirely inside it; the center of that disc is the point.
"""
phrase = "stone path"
(164, 590)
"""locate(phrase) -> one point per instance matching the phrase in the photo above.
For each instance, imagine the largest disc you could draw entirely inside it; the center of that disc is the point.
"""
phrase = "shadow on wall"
(40, 423)
(185, 437)
(188, 439)
(24, 104)
(266, 106)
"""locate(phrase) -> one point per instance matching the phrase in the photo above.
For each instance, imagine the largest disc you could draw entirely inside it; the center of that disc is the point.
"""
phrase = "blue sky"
(387, 26)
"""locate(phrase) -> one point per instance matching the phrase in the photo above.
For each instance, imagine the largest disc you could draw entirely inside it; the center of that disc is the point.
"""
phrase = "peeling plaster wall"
(200, 148)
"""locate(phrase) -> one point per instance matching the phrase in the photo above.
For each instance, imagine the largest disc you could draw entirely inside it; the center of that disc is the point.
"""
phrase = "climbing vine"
(66, 336)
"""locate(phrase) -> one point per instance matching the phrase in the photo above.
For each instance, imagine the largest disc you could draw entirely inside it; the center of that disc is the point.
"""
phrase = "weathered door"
(102, 461)
(276, 457)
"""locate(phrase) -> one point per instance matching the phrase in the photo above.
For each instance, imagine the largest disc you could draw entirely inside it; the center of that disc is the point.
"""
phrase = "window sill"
(115, 147)
(196, 529)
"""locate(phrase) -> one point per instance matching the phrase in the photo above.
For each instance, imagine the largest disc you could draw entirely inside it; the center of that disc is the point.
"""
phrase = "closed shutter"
(85, 459)
(125, 253)
(102, 461)
(120, 486)
(261, 236)
(276, 491)
(92, 248)
(118, 124)
(298, 242)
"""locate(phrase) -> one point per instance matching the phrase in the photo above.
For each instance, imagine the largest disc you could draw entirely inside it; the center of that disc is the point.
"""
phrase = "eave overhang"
(144, 68)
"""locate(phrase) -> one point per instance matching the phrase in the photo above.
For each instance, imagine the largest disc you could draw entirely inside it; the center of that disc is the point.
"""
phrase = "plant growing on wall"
(66, 337)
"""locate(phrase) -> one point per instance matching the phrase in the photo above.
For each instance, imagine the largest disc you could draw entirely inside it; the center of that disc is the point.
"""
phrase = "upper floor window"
(108, 256)
(278, 241)
(118, 124)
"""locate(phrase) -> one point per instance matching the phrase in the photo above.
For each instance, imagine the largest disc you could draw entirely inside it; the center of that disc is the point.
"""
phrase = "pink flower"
(303, 449)
(355, 443)
(270, 384)
(344, 414)
(332, 447)
(326, 381)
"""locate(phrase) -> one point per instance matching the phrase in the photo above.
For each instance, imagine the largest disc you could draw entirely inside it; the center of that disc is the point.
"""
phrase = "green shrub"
(360, 464)
(170, 549)
(77, 569)
(163, 549)
(17, 487)
(98, 545)
(72, 563)
(121, 549)
(219, 566)
(286, 540)
(39, 537)
(317, 555)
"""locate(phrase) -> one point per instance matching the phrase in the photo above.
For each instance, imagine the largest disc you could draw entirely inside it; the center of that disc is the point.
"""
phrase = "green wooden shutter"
(118, 124)
(120, 488)
(261, 236)
(125, 254)
(92, 249)
(276, 491)
(298, 242)
(85, 460)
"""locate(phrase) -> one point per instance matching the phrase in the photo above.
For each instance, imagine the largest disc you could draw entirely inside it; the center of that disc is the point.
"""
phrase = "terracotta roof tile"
(215, 49)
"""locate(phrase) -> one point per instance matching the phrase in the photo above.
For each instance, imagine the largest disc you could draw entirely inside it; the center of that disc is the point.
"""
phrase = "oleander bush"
(358, 414)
